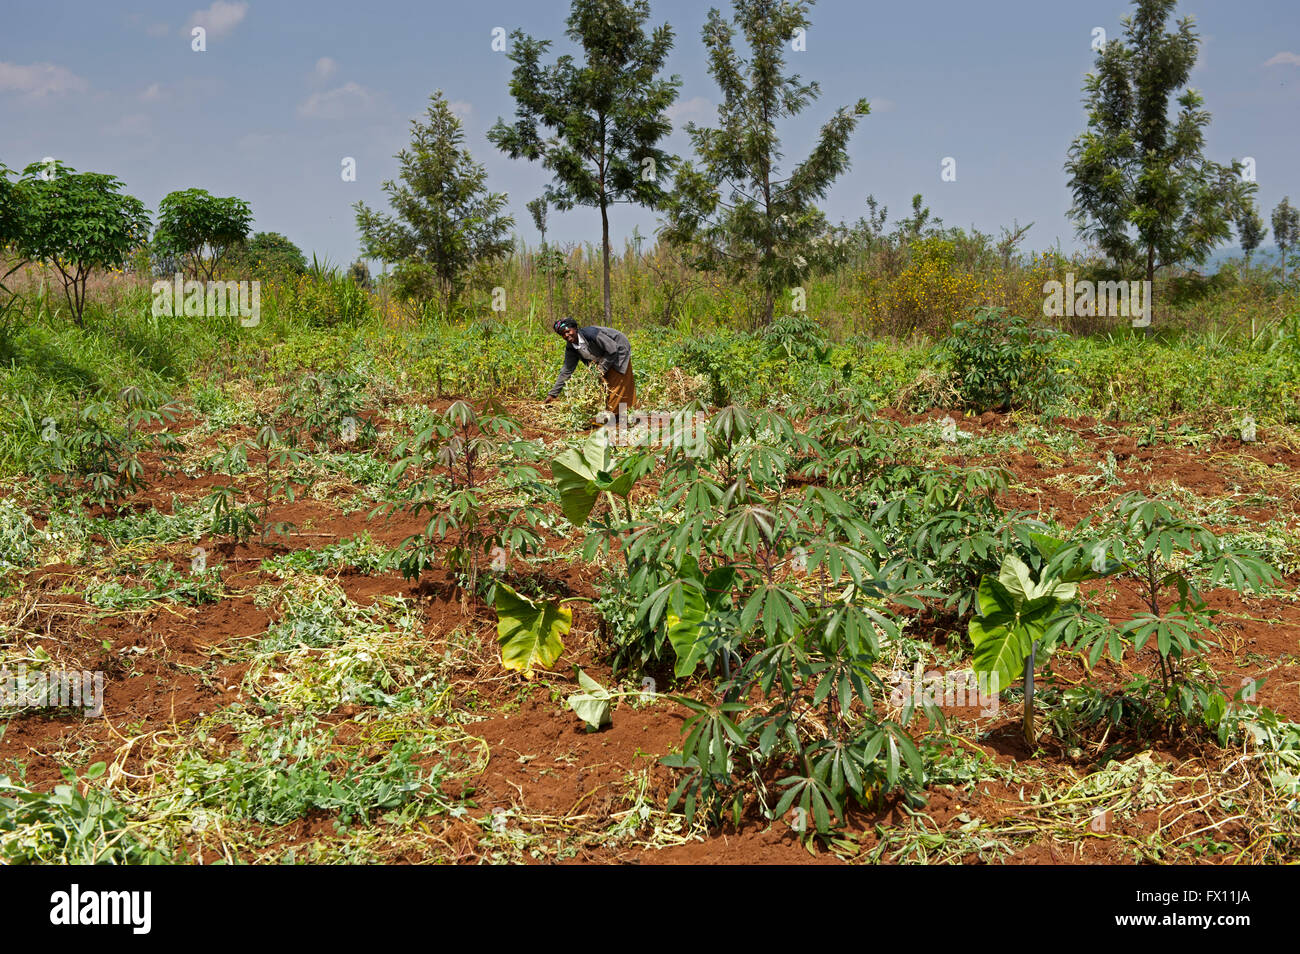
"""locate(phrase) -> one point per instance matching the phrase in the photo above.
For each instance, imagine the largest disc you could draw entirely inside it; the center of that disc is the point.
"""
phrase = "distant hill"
(1265, 254)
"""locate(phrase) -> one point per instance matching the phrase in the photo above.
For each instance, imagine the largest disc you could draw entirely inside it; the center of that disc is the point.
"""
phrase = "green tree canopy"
(737, 212)
(1286, 228)
(604, 115)
(196, 229)
(446, 220)
(74, 221)
(1143, 191)
(1250, 229)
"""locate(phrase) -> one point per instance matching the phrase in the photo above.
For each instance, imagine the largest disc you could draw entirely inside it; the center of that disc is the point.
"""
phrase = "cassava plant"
(473, 475)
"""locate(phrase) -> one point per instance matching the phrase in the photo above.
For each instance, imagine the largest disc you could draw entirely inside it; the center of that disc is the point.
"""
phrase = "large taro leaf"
(580, 473)
(1014, 611)
(1019, 582)
(591, 705)
(529, 633)
(703, 604)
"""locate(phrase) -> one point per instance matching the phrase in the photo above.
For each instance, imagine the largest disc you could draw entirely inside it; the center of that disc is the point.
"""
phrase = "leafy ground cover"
(346, 617)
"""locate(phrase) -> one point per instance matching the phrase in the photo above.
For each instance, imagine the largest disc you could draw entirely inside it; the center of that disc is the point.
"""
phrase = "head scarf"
(562, 324)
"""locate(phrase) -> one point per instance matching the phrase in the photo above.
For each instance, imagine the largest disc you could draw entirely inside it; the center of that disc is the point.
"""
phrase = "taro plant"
(1010, 629)
(583, 473)
(530, 631)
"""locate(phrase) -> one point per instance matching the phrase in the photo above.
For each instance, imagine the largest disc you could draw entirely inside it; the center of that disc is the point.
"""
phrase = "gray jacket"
(609, 349)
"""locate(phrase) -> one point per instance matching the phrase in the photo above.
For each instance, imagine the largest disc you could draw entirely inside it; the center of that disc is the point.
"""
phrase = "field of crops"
(355, 598)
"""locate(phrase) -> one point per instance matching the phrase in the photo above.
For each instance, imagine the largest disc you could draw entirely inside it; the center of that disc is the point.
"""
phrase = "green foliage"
(530, 633)
(326, 298)
(237, 512)
(265, 255)
(736, 213)
(196, 229)
(1142, 189)
(78, 823)
(604, 114)
(359, 553)
(445, 461)
(446, 220)
(102, 455)
(1014, 613)
(592, 705)
(1286, 228)
(283, 772)
(75, 222)
(162, 582)
(1166, 557)
(326, 408)
(581, 475)
(999, 362)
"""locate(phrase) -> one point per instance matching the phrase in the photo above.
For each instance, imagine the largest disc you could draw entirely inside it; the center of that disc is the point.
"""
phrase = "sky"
(285, 92)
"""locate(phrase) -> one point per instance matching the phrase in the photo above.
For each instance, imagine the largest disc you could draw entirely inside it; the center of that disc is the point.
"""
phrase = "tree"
(736, 213)
(1143, 192)
(9, 220)
(196, 229)
(446, 219)
(1286, 228)
(1250, 229)
(76, 222)
(604, 115)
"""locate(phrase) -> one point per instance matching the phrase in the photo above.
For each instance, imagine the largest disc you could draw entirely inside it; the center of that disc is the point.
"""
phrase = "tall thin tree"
(1144, 193)
(595, 123)
(737, 213)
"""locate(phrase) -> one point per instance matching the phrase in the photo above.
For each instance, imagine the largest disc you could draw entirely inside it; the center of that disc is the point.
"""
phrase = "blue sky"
(285, 90)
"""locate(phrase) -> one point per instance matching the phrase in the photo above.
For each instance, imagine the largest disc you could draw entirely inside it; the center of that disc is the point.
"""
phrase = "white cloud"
(1283, 59)
(325, 68)
(696, 109)
(880, 104)
(460, 109)
(151, 93)
(157, 29)
(218, 19)
(351, 100)
(39, 79)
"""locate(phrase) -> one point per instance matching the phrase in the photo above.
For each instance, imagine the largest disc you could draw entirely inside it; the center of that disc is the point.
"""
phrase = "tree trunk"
(604, 241)
(1151, 286)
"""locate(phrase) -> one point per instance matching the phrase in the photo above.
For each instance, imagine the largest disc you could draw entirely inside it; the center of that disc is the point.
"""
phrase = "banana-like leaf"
(1014, 611)
(592, 706)
(575, 471)
(702, 604)
(1019, 582)
(582, 474)
(529, 633)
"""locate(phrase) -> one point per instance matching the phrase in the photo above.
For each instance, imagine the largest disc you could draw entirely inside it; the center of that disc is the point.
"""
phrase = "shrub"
(999, 362)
